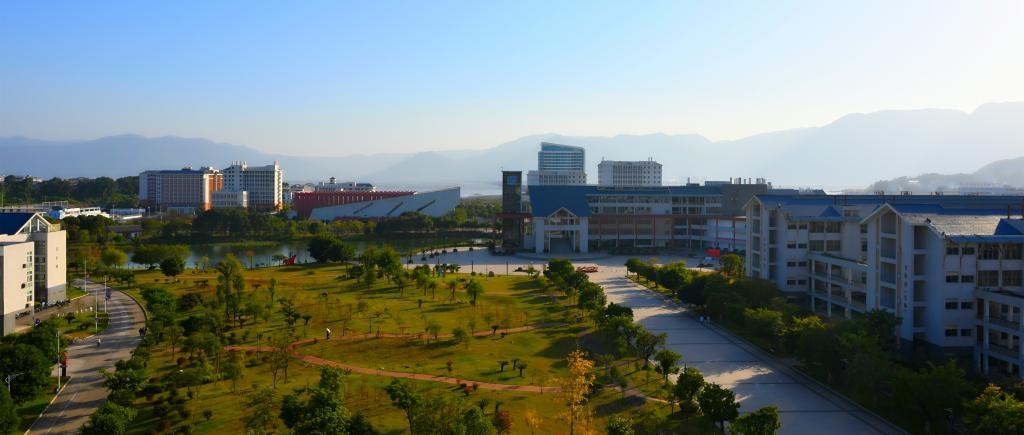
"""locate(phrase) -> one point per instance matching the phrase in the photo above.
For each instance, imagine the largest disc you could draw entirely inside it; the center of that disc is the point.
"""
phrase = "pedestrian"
(98, 342)
(328, 330)
(701, 320)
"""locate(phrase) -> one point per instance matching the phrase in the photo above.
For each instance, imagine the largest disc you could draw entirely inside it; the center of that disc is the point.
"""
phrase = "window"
(968, 250)
(801, 245)
(1011, 278)
(988, 278)
(790, 282)
(817, 245)
(950, 332)
(817, 227)
(967, 278)
(791, 263)
(952, 250)
(989, 252)
(952, 277)
(966, 306)
(1012, 252)
(803, 226)
(952, 305)
(832, 245)
(801, 281)
(832, 227)
(791, 245)
(966, 332)
(791, 226)
(802, 264)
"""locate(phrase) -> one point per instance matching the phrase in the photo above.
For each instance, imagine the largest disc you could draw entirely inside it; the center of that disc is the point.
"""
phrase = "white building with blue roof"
(33, 255)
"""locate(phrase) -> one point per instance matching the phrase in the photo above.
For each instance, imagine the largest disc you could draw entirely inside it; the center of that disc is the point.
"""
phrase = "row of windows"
(958, 305)
(796, 282)
(796, 263)
(964, 332)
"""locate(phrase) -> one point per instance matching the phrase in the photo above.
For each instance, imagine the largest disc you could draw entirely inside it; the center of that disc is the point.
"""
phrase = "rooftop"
(10, 223)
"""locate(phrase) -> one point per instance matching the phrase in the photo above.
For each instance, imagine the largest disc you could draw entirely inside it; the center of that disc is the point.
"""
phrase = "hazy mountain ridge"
(851, 151)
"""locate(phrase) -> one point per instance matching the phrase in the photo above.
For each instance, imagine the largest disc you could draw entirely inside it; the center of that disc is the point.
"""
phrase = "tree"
(323, 411)
(502, 421)
(33, 366)
(522, 366)
(172, 266)
(646, 343)
(280, 358)
(232, 370)
(667, 360)
(995, 412)
(718, 404)
(259, 410)
(687, 385)
(474, 289)
(405, 398)
(732, 265)
(110, 419)
(459, 335)
(533, 421)
(927, 394)
(764, 421)
(576, 386)
(113, 257)
(9, 419)
(618, 425)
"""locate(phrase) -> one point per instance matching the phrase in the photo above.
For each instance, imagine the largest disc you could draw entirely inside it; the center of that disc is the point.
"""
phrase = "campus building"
(305, 202)
(642, 173)
(435, 204)
(184, 188)
(262, 184)
(566, 219)
(559, 165)
(950, 267)
(32, 264)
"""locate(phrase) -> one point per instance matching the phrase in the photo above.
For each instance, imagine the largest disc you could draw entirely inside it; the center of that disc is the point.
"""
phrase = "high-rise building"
(559, 165)
(512, 216)
(33, 255)
(263, 184)
(185, 188)
(643, 173)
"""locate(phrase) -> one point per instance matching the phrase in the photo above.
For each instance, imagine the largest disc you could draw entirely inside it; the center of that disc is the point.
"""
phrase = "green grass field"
(372, 313)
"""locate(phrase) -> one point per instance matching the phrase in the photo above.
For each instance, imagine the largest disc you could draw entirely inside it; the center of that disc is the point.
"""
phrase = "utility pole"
(58, 359)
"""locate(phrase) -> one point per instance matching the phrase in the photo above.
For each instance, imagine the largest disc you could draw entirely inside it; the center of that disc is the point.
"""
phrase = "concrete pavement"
(758, 379)
(85, 392)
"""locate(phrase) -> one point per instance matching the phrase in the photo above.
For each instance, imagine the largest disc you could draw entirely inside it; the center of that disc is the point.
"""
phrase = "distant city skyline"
(341, 78)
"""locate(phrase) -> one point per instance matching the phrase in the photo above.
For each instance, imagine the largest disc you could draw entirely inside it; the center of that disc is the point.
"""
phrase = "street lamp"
(8, 380)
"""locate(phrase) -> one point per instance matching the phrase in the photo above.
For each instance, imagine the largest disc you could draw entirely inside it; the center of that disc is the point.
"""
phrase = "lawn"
(83, 325)
(383, 327)
(30, 410)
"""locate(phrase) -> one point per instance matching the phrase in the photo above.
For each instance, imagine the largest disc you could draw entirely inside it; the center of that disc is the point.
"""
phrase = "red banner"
(714, 252)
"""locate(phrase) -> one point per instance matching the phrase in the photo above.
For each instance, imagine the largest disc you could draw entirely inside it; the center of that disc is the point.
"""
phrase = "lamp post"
(8, 380)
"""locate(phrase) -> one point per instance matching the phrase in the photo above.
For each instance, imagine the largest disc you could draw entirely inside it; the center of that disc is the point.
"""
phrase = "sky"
(344, 77)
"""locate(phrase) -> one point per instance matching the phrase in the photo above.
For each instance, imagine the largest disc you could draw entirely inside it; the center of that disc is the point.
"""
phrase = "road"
(757, 379)
(85, 392)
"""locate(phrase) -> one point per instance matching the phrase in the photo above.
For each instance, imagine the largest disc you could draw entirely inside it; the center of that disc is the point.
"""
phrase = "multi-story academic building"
(559, 165)
(33, 256)
(642, 173)
(950, 267)
(180, 188)
(263, 184)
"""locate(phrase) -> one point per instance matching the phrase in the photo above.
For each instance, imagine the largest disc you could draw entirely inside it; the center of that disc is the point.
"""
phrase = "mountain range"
(852, 151)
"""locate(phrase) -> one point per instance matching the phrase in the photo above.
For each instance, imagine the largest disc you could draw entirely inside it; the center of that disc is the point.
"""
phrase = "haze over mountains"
(853, 151)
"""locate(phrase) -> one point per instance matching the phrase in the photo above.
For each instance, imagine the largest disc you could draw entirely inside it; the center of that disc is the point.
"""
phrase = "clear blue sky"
(343, 76)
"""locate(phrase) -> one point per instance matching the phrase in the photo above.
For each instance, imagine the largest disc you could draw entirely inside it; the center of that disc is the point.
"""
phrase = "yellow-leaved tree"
(575, 388)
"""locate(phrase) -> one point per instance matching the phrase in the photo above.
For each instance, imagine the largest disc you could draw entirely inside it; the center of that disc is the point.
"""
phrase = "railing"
(1004, 351)
(1004, 322)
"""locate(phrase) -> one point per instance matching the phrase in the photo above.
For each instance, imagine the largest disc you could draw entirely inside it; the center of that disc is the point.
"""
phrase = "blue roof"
(545, 200)
(10, 223)
(824, 207)
(1010, 227)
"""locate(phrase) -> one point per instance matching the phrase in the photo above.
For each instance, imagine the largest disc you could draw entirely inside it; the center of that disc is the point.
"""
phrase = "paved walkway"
(85, 392)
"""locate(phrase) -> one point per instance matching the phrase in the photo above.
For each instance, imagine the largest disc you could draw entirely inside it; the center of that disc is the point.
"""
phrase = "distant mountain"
(851, 151)
(1002, 173)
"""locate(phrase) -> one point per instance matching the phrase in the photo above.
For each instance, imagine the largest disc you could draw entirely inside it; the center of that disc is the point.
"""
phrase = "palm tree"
(474, 289)
(432, 285)
(452, 285)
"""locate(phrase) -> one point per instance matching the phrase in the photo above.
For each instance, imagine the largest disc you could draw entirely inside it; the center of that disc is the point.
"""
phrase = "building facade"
(950, 267)
(263, 184)
(190, 188)
(230, 199)
(642, 173)
(566, 219)
(305, 202)
(33, 255)
(559, 165)
(437, 203)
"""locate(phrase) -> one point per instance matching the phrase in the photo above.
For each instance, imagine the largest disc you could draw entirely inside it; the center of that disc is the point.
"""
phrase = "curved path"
(85, 392)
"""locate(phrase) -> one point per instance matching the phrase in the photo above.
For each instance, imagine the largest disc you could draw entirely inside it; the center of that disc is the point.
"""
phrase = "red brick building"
(305, 202)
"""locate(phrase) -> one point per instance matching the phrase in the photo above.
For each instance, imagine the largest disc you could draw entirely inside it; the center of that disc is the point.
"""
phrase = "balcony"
(1004, 351)
(1005, 322)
